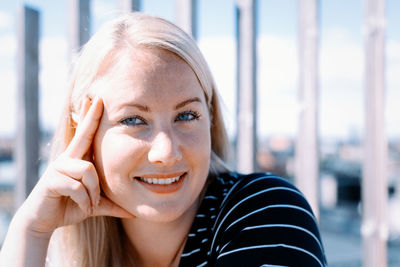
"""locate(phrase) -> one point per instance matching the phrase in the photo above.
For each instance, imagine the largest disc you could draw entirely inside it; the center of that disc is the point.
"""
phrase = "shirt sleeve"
(265, 221)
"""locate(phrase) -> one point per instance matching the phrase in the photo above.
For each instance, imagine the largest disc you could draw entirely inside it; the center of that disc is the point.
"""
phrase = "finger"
(65, 186)
(108, 208)
(86, 130)
(83, 171)
(85, 108)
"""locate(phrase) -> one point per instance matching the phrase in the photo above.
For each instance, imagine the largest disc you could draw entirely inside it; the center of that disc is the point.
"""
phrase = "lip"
(162, 175)
(163, 188)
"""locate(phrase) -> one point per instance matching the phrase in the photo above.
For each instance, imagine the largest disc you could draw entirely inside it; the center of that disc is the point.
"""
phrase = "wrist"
(26, 227)
(23, 246)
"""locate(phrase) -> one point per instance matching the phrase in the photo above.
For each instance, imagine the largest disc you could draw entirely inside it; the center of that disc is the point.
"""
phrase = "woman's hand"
(69, 190)
(67, 193)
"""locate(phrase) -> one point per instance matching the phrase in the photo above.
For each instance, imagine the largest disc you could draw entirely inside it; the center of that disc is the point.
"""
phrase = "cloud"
(393, 65)
(220, 54)
(53, 79)
(103, 10)
(8, 103)
(277, 75)
(8, 81)
(103, 7)
(392, 111)
(341, 57)
(8, 45)
(392, 107)
(5, 20)
(277, 62)
(341, 82)
(277, 85)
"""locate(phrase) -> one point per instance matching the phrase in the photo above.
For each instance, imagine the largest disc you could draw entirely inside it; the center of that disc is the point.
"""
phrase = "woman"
(139, 176)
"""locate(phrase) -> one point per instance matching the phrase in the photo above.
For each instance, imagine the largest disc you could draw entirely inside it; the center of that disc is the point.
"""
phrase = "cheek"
(197, 142)
(116, 153)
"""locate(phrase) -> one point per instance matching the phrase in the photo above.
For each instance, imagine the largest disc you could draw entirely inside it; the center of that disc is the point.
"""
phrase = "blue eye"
(187, 116)
(133, 121)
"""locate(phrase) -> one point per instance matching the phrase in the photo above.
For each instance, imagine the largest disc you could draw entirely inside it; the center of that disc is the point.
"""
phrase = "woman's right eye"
(133, 121)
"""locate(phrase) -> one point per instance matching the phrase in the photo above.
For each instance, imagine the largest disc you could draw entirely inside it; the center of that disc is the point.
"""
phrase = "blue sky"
(341, 61)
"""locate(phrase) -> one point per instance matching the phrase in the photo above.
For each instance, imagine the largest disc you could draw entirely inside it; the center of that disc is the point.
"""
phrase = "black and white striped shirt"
(253, 220)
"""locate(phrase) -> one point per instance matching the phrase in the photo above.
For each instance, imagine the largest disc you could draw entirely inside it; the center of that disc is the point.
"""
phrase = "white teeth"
(160, 181)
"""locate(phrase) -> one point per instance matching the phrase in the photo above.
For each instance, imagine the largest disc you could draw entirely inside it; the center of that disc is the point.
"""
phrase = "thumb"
(108, 208)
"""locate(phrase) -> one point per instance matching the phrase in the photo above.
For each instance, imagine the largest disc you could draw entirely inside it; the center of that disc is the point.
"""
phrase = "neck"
(159, 243)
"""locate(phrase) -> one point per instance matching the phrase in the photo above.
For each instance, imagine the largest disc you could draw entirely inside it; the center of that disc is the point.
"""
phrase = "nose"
(164, 149)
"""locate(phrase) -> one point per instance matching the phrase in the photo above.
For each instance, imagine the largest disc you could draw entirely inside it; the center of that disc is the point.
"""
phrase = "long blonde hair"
(99, 241)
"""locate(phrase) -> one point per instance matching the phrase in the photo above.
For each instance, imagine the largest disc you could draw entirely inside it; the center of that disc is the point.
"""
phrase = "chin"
(162, 214)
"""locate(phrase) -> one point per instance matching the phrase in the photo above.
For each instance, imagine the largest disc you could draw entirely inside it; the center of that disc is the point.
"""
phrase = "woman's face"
(152, 148)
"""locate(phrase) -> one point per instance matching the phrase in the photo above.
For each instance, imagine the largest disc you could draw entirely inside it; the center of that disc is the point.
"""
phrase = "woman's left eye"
(187, 116)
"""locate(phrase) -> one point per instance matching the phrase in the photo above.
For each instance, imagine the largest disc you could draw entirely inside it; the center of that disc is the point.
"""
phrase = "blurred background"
(340, 100)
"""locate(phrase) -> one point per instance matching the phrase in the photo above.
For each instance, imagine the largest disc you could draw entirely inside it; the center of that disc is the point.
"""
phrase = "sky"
(341, 61)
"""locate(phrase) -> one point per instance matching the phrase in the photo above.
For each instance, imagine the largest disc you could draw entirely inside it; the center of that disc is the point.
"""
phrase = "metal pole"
(28, 134)
(127, 6)
(374, 182)
(79, 24)
(247, 104)
(186, 16)
(306, 155)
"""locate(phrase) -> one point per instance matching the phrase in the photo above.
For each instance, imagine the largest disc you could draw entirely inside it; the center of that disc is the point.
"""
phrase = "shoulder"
(265, 218)
(261, 189)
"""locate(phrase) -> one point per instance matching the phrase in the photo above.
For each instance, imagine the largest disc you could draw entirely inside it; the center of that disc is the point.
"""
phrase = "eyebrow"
(187, 102)
(140, 107)
(178, 106)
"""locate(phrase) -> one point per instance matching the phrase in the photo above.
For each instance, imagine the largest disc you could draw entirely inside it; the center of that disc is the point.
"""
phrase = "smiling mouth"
(160, 181)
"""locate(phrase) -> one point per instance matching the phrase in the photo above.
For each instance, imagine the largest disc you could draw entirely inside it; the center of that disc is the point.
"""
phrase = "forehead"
(148, 73)
(127, 63)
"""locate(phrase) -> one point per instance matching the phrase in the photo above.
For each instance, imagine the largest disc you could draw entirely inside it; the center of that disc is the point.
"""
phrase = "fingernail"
(97, 201)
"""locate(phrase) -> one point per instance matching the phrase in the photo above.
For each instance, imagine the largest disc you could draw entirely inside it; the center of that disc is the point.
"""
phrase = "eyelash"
(195, 115)
(125, 121)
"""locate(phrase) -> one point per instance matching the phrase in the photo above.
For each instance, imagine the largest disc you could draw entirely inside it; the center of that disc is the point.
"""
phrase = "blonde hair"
(99, 241)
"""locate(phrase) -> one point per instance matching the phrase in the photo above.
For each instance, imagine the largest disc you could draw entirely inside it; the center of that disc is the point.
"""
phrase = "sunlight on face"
(152, 148)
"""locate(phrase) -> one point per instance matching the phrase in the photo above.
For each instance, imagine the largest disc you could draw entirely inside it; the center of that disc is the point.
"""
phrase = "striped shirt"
(253, 220)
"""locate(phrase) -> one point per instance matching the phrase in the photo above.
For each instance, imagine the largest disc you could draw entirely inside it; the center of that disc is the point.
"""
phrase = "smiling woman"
(138, 176)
